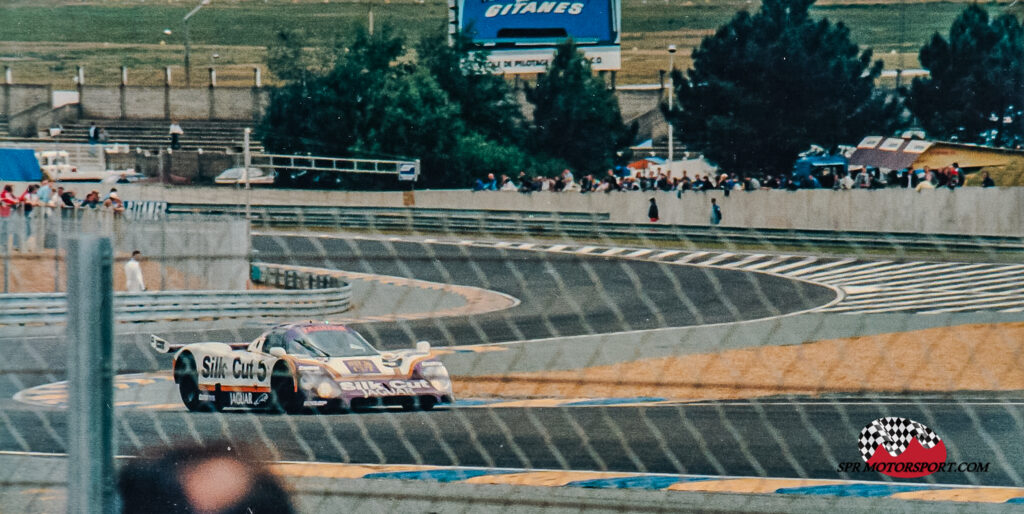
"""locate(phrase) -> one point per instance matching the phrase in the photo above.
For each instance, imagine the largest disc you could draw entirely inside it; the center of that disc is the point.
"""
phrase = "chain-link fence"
(587, 364)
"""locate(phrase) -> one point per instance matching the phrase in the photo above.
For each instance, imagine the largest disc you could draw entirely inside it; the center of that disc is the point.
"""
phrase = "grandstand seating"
(215, 136)
(4, 125)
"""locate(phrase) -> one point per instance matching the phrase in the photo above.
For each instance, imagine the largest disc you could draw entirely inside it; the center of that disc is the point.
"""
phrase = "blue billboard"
(540, 22)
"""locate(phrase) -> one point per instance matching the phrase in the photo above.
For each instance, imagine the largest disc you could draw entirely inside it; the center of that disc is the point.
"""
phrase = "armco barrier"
(51, 308)
(965, 211)
(587, 225)
(286, 278)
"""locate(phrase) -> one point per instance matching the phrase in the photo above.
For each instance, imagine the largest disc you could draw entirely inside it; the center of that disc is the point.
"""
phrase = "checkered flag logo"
(895, 435)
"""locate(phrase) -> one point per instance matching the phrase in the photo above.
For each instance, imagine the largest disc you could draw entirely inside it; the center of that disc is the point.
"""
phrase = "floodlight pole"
(671, 93)
(188, 42)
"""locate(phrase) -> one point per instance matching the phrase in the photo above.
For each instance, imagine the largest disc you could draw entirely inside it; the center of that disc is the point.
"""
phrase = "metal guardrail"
(309, 295)
(337, 164)
(281, 276)
(596, 225)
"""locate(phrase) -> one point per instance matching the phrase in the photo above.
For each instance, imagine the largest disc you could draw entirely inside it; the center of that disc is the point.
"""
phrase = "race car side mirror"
(423, 347)
(277, 351)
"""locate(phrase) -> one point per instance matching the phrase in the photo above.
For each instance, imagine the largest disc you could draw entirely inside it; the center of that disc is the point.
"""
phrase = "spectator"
(486, 185)
(587, 184)
(176, 133)
(926, 183)
(212, 480)
(133, 274)
(94, 133)
(92, 200)
(612, 182)
(7, 204)
(909, 179)
(845, 182)
(116, 205)
(863, 179)
(652, 211)
(29, 200)
(664, 183)
(987, 181)
(716, 212)
(68, 198)
(57, 199)
(525, 184)
(567, 177)
(507, 184)
(45, 192)
(961, 176)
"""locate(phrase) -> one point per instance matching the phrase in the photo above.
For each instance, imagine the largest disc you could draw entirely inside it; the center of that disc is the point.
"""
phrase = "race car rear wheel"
(188, 383)
(427, 402)
(283, 396)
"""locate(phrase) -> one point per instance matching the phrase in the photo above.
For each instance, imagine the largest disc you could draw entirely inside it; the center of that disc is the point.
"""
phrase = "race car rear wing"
(161, 345)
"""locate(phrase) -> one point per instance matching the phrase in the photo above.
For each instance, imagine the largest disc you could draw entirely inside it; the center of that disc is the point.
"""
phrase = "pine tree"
(975, 88)
(768, 85)
(576, 116)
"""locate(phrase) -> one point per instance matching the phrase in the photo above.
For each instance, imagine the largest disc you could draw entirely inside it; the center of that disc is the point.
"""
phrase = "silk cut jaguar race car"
(306, 365)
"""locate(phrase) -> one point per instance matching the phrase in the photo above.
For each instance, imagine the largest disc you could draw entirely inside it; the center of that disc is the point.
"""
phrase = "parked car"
(236, 176)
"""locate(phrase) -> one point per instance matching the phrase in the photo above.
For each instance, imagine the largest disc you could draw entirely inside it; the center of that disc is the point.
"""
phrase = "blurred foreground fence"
(646, 367)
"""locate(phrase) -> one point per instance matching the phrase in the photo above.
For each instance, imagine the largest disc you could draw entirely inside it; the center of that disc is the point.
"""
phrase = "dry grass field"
(44, 40)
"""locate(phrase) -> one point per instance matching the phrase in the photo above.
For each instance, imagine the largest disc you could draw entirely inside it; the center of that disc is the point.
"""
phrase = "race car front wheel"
(284, 396)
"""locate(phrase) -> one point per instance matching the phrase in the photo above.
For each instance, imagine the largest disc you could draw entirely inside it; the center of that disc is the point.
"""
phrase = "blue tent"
(19, 165)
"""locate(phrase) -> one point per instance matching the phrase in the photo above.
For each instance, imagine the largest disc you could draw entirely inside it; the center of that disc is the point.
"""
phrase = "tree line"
(766, 86)
(365, 96)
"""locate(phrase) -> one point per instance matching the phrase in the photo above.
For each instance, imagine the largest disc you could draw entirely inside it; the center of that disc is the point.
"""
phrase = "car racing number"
(245, 378)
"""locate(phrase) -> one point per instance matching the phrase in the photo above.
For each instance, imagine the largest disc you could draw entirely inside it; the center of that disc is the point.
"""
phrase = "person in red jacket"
(8, 202)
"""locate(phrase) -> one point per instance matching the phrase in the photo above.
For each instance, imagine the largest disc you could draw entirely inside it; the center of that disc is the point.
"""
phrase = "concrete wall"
(100, 102)
(193, 166)
(190, 104)
(972, 211)
(635, 103)
(15, 98)
(209, 254)
(143, 102)
(216, 252)
(146, 103)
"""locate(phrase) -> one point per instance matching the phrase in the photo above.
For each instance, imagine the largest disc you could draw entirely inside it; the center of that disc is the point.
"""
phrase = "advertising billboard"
(521, 35)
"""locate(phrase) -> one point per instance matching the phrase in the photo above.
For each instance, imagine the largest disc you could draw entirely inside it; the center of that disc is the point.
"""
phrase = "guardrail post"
(90, 340)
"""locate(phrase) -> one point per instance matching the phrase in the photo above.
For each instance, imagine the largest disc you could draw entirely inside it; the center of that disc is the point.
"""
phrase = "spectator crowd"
(45, 197)
(20, 211)
(951, 177)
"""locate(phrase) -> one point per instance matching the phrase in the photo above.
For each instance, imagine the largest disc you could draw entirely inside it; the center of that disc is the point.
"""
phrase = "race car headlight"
(327, 389)
(437, 376)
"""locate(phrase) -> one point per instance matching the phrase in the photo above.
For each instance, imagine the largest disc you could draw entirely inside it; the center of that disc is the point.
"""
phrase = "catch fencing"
(595, 364)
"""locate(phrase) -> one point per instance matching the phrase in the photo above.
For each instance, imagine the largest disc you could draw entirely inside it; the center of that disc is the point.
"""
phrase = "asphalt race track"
(561, 295)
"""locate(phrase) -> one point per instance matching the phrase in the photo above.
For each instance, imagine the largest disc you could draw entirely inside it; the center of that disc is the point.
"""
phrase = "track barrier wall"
(967, 211)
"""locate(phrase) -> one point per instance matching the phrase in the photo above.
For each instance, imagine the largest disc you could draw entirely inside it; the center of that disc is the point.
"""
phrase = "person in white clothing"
(133, 274)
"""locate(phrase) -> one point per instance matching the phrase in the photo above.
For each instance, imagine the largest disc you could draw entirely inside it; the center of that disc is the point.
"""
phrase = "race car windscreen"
(336, 343)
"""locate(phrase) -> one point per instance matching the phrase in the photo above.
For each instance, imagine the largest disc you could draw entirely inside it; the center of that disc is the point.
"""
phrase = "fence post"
(90, 341)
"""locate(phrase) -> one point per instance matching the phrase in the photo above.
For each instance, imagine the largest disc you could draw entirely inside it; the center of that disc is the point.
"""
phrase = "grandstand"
(210, 136)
